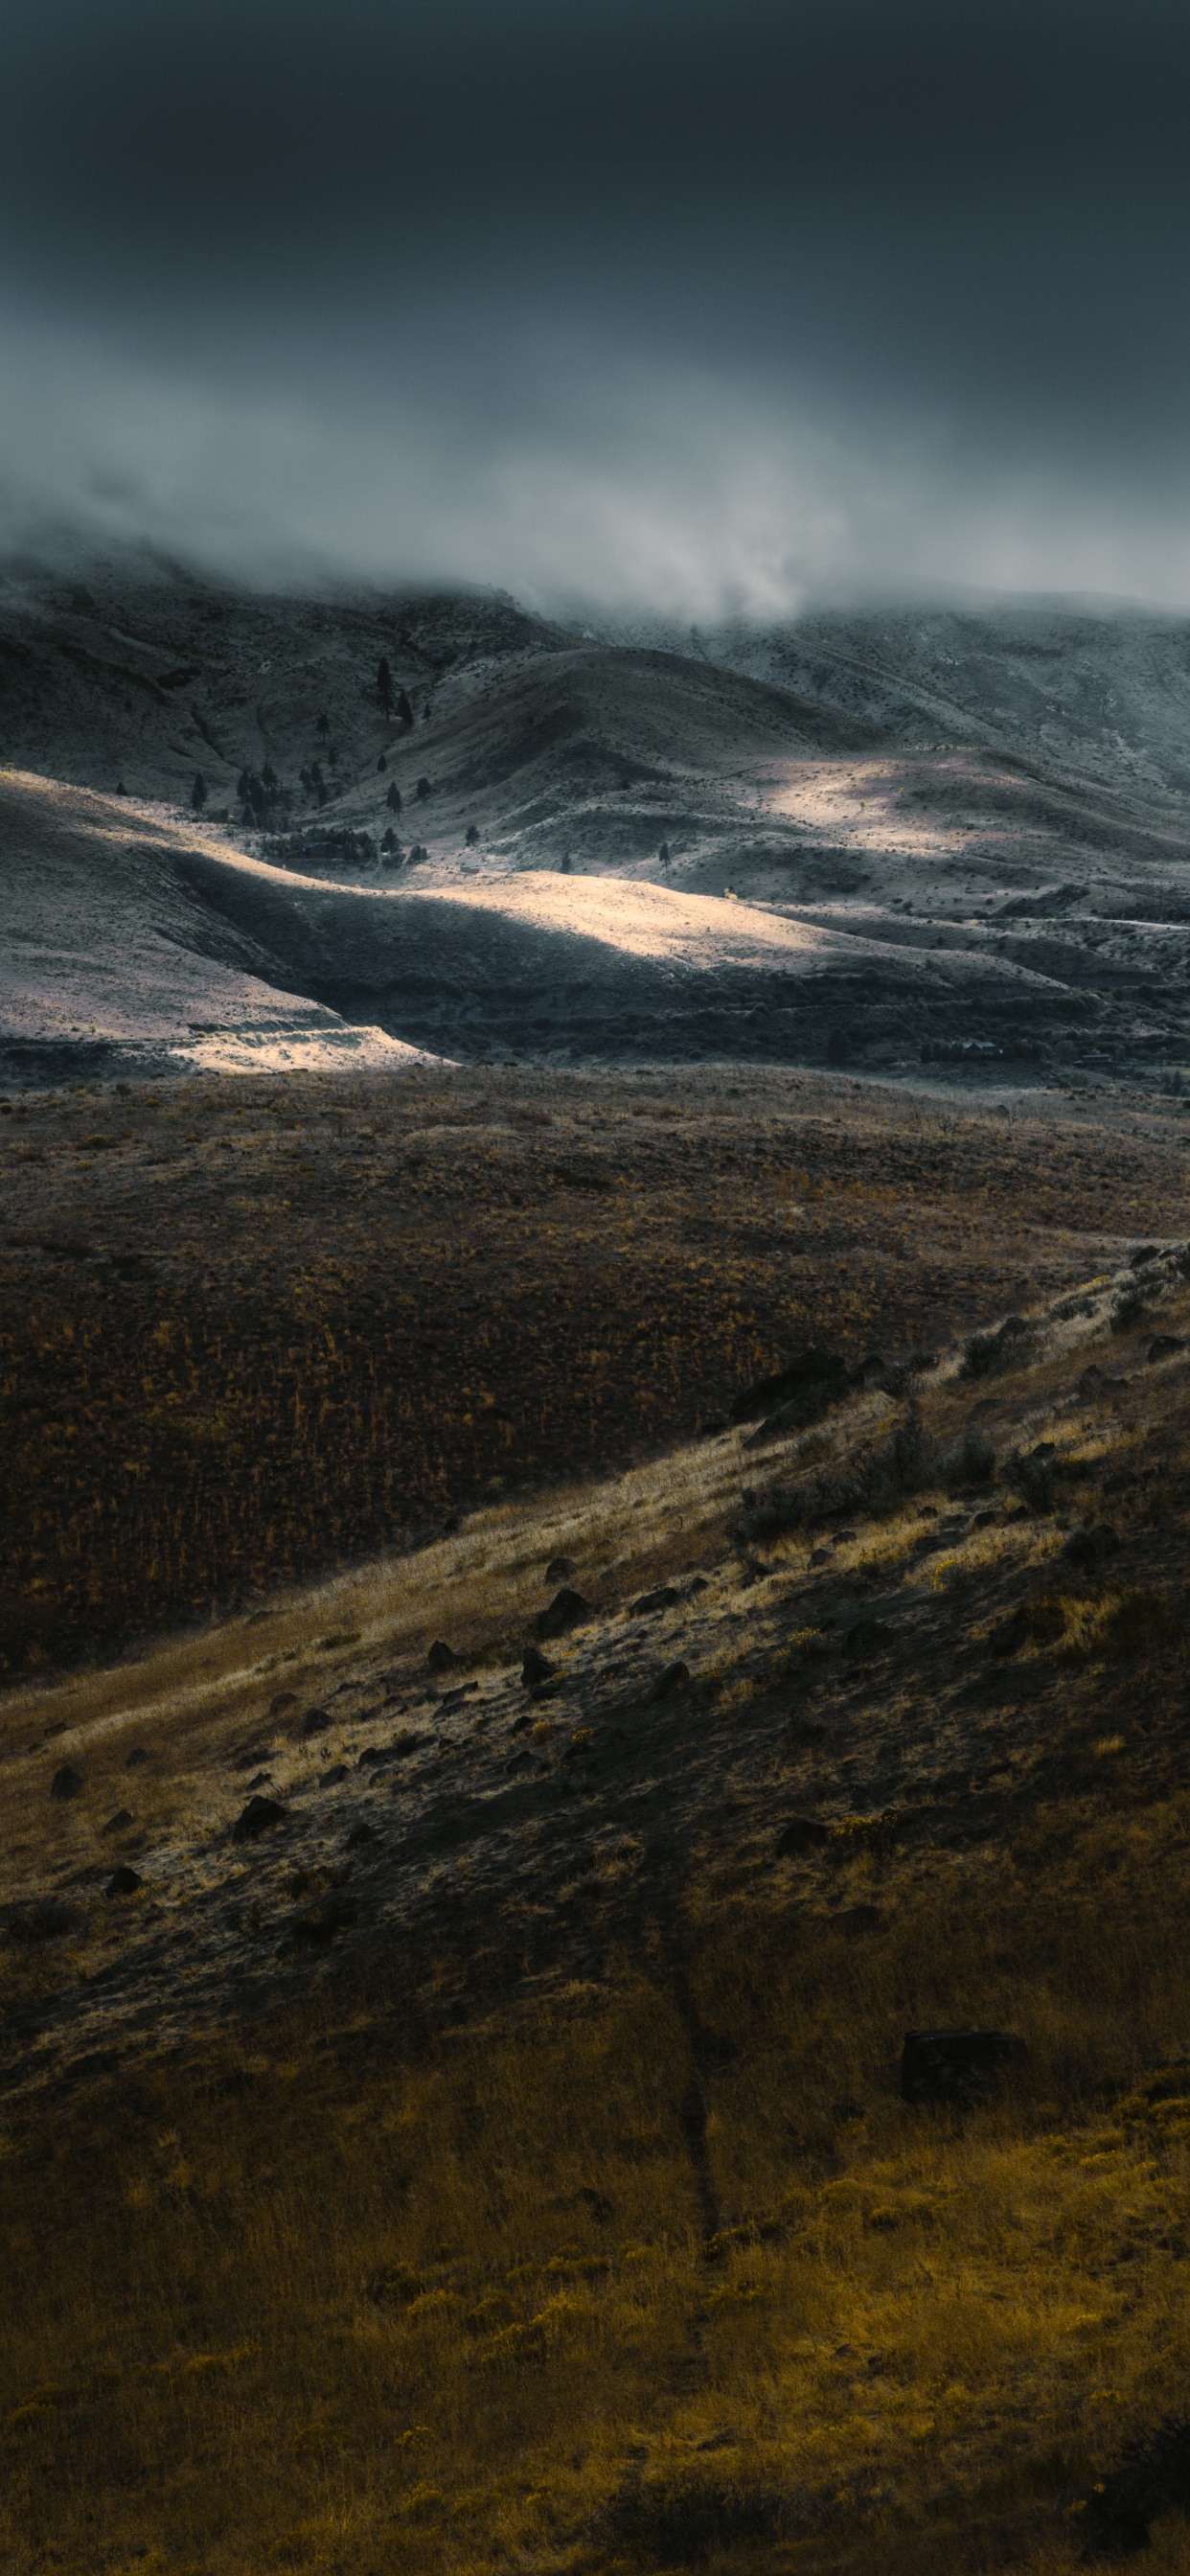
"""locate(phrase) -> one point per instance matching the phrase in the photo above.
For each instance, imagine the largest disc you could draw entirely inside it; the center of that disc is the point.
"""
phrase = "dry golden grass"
(313, 2299)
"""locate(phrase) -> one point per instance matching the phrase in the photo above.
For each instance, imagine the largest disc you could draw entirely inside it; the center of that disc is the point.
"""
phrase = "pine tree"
(423, 789)
(393, 798)
(384, 685)
(472, 837)
(324, 725)
(198, 793)
(404, 710)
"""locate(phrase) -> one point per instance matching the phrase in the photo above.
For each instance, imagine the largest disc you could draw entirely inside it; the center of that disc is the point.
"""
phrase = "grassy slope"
(651, 2268)
(248, 1331)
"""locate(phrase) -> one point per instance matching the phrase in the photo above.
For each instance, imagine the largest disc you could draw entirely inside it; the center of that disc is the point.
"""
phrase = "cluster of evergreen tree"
(261, 794)
(313, 781)
(388, 697)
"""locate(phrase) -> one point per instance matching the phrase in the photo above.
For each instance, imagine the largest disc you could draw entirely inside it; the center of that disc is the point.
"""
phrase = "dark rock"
(857, 1919)
(662, 1599)
(1088, 1549)
(1010, 1635)
(521, 1762)
(115, 1824)
(1144, 1252)
(123, 1882)
(361, 1834)
(330, 1779)
(451, 1698)
(137, 1755)
(440, 1657)
(259, 1780)
(714, 1422)
(283, 1699)
(66, 1783)
(566, 1610)
(1163, 1347)
(548, 1690)
(814, 1368)
(317, 1721)
(558, 1569)
(536, 1668)
(246, 1754)
(956, 2065)
(373, 1755)
(674, 1678)
(801, 1834)
(256, 1818)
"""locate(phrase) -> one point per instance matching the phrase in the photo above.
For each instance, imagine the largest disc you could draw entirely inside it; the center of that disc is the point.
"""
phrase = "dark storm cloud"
(674, 302)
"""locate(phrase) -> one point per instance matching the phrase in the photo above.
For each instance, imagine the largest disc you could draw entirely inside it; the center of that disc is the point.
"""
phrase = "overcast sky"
(656, 305)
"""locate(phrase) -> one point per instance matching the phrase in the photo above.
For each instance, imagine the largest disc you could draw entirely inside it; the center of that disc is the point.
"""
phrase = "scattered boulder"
(1144, 1252)
(317, 1721)
(361, 1834)
(373, 1755)
(662, 1599)
(330, 1779)
(815, 1370)
(956, 2065)
(256, 1818)
(260, 1779)
(1163, 1346)
(674, 1678)
(558, 1569)
(137, 1756)
(115, 1824)
(1088, 1549)
(801, 1834)
(282, 1700)
(245, 1755)
(441, 1657)
(536, 1668)
(123, 1881)
(566, 1610)
(66, 1783)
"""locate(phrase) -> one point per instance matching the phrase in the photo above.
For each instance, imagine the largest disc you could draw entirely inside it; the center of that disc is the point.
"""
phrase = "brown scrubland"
(499, 2161)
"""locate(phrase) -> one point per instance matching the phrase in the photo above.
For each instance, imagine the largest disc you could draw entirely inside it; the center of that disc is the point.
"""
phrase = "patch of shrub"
(973, 1462)
(676, 2522)
(1083, 1628)
(871, 1480)
(986, 1354)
